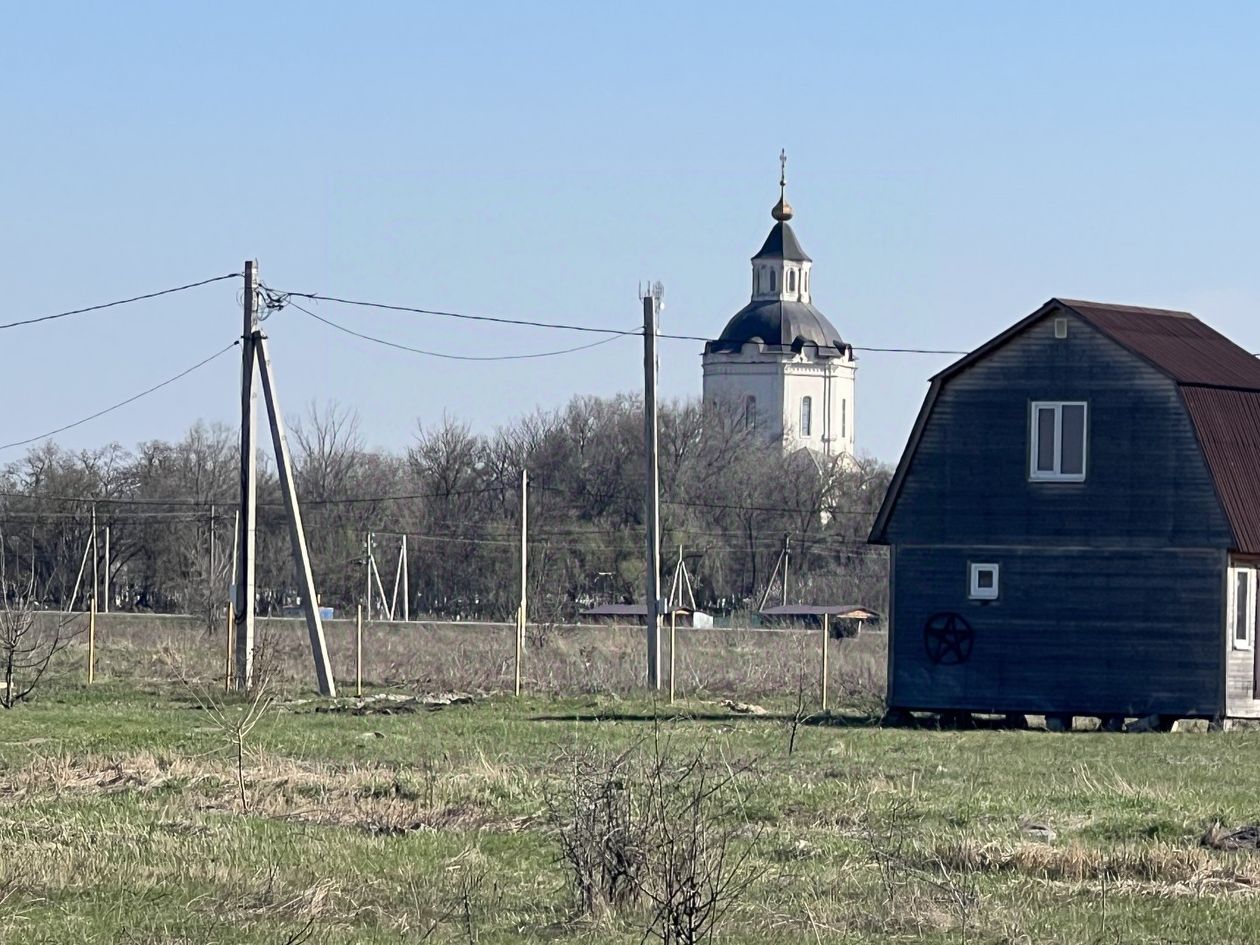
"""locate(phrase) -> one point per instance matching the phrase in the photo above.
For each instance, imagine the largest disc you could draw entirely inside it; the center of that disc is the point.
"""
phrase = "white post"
(652, 591)
(406, 590)
(297, 535)
(521, 611)
(248, 512)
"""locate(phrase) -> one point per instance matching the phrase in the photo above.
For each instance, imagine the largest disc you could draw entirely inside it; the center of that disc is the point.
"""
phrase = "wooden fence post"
(229, 649)
(673, 649)
(92, 640)
(826, 641)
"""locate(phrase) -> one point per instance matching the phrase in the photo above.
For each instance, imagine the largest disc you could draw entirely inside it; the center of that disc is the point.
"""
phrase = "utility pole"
(96, 586)
(651, 310)
(210, 595)
(521, 612)
(247, 538)
(105, 590)
(367, 570)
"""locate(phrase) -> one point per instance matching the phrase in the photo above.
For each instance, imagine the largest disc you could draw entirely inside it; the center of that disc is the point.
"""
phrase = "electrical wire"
(135, 298)
(452, 357)
(314, 296)
(674, 337)
(123, 403)
(206, 503)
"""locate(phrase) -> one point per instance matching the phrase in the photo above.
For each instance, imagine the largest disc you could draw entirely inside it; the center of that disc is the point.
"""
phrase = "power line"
(441, 354)
(855, 347)
(135, 298)
(206, 503)
(122, 403)
(563, 326)
(495, 319)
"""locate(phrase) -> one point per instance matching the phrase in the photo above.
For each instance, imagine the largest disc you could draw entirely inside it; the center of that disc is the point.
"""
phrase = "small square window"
(984, 582)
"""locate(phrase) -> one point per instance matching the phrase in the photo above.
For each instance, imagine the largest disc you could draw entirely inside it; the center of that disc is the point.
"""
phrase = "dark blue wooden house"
(1074, 526)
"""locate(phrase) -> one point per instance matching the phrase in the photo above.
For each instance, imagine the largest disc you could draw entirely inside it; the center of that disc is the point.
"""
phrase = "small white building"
(779, 364)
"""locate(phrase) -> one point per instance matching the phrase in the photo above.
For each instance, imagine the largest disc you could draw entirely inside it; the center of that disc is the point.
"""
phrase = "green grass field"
(120, 821)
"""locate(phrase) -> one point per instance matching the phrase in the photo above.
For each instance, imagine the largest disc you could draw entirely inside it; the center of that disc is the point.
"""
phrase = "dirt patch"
(392, 703)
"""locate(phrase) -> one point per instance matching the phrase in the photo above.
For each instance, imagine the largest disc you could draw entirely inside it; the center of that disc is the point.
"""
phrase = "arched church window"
(807, 411)
(750, 412)
(772, 280)
(791, 280)
(756, 281)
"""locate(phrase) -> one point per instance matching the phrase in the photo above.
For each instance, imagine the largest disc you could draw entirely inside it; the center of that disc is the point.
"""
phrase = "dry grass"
(559, 660)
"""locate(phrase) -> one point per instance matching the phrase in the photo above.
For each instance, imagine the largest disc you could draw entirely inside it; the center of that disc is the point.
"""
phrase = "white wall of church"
(729, 380)
(829, 385)
(780, 382)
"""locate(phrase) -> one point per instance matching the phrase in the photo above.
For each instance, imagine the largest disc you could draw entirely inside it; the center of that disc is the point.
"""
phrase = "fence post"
(826, 641)
(92, 640)
(228, 649)
(358, 650)
(673, 649)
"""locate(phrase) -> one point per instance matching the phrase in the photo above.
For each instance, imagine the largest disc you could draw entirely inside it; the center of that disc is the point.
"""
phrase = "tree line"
(728, 501)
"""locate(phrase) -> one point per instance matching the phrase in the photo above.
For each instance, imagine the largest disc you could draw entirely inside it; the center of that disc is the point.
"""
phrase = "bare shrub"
(602, 829)
(654, 829)
(28, 643)
(235, 722)
(696, 868)
(917, 891)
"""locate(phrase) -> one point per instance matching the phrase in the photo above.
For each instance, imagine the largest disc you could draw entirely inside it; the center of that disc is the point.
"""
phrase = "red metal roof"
(1177, 343)
(1227, 423)
(1219, 382)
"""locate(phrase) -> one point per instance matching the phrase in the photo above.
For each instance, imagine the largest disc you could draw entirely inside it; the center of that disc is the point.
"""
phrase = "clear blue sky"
(952, 166)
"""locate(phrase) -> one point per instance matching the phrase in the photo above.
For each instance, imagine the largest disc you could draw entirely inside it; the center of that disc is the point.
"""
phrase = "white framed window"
(983, 583)
(1058, 434)
(807, 415)
(772, 281)
(1242, 608)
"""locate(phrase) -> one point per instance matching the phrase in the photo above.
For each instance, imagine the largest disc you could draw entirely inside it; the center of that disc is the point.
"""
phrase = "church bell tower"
(779, 365)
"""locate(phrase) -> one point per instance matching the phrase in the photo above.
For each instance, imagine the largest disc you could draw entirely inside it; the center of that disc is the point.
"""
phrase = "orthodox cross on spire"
(782, 210)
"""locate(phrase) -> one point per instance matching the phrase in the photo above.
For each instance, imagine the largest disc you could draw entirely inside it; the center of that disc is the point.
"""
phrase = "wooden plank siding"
(1240, 670)
(1111, 590)
(1086, 630)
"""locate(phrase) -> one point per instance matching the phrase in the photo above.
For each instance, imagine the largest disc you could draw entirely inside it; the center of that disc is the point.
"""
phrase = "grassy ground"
(120, 821)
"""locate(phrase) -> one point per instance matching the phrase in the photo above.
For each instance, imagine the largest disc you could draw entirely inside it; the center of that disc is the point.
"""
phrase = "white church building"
(779, 364)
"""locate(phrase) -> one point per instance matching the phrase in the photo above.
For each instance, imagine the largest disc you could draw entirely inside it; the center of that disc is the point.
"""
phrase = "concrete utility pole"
(210, 577)
(367, 573)
(247, 532)
(521, 612)
(96, 585)
(255, 352)
(105, 588)
(651, 311)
